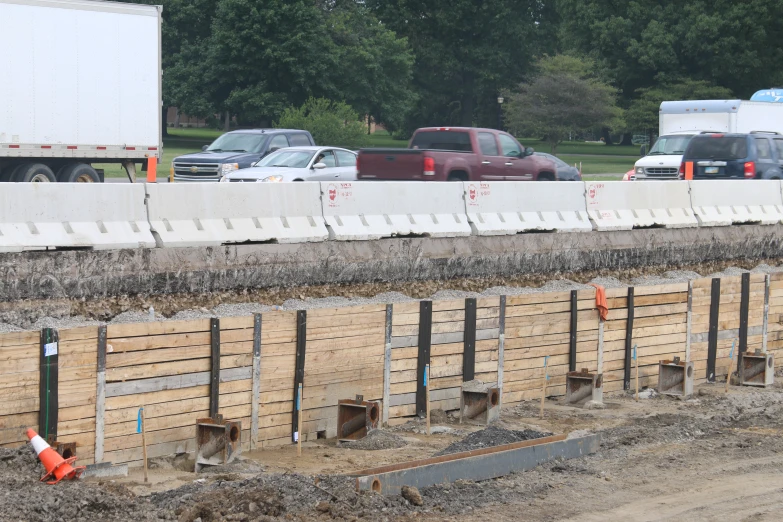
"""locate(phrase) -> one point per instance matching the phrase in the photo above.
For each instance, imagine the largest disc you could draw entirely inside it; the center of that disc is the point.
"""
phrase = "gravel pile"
(609, 282)
(132, 316)
(62, 323)
(8, 328)
(376, 440)
(445, 295)
(191, 315)
(729, 272)
(241, 309)
(681, 275)
(766, 269)
(489, 437)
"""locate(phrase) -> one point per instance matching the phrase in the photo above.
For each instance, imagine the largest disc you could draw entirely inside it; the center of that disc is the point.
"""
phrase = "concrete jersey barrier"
(211, 214)
(372, 210)
(41, 216)
(623, 205)
(729, 202)
(511, 207)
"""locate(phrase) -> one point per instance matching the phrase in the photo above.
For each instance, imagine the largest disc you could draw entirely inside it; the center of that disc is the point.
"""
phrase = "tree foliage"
(563, 97)
(642, 113)
(330, 123)
(466, 52)
(645, 43)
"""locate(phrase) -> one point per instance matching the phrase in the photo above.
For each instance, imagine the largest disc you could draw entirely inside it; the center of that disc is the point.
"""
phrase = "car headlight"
(225, 168)
(640, 171)
(273, 179)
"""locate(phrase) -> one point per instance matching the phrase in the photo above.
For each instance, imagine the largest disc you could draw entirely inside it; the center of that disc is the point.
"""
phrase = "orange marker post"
(152, 169)
(688, 170)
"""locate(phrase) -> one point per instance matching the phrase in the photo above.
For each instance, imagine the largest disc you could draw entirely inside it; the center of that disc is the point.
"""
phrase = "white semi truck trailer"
(80, 84)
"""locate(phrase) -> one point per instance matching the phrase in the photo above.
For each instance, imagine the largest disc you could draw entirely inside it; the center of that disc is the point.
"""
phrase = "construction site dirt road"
(713, 456)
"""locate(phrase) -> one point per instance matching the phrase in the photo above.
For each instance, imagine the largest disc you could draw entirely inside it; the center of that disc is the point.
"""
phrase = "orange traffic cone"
(56, 467)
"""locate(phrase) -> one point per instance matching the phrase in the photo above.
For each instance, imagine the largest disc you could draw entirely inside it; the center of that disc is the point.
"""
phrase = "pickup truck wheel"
(546, 176)
(33, 173)
(78, 173)
(457, 176)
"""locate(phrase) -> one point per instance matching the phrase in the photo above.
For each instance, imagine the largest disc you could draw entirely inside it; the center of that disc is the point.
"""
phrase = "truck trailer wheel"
(78, 173)
(33, 173)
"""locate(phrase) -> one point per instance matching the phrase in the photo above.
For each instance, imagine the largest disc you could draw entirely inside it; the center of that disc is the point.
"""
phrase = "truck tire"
(546, 176)
(33, 173)
(78, 173)
(457, 175)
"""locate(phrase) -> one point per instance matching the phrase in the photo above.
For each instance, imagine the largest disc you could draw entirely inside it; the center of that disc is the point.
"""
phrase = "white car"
(300, 164)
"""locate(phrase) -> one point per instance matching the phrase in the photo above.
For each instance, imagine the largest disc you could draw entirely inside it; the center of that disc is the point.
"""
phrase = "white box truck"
(679, 121)
(80, 83)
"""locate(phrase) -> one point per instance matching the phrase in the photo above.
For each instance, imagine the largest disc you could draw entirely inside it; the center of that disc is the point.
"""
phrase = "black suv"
(758, 155)
(235, 150)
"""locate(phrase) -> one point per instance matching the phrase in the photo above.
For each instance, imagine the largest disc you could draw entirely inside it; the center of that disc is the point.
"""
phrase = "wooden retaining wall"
(247, 368)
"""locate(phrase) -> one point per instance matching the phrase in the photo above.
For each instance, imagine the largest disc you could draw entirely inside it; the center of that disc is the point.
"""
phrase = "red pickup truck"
(456, 154)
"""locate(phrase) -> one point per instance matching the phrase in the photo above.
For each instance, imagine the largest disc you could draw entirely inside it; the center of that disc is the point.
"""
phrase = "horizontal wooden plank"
(115, 331)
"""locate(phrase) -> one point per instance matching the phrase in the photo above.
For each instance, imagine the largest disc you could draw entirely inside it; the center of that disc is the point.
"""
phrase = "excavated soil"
(489, 437)
(715, 456)
(140, 308)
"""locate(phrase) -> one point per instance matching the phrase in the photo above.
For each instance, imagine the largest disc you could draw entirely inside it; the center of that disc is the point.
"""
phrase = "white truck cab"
(679, 121)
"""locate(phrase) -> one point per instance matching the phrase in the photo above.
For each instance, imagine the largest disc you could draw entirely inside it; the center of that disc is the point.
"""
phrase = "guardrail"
(45, 217)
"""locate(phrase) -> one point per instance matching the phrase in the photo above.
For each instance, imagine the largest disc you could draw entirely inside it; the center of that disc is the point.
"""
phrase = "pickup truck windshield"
(718, 148)
(442, 140)
(239, 142)
(670, 145)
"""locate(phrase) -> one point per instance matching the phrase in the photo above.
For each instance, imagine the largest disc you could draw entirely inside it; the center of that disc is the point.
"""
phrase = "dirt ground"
(715, 456)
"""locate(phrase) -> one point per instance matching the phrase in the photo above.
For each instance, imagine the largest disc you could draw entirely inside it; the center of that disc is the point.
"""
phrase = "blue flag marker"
(731, 353)
(546, 361)
(426, 370)
(138, 421)
(299, 398)
(634, 352)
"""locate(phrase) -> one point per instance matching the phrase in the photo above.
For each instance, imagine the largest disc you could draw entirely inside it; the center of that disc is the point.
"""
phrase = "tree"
(330, 123)
(642, 113)
(563, 97)
(265, 56)
(374, 66)
(644, 43)
(466, 52)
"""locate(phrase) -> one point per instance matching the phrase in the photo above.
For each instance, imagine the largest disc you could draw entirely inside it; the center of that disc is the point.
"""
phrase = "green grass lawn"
(600, 164)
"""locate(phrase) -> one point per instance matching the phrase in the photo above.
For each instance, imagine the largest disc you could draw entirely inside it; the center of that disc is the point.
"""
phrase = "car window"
(279, 142)
(346, 159)
(762, 144)
(670, 145)
(716, 147)
(326, 157)
(779, 145)
(297, 159)
(238, 142)
(299, 140)
(442, 140)
(509, 145)
(489, 147)
(554, 159)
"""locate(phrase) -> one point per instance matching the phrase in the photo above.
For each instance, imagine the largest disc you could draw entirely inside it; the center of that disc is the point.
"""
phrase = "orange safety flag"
(600, 301)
